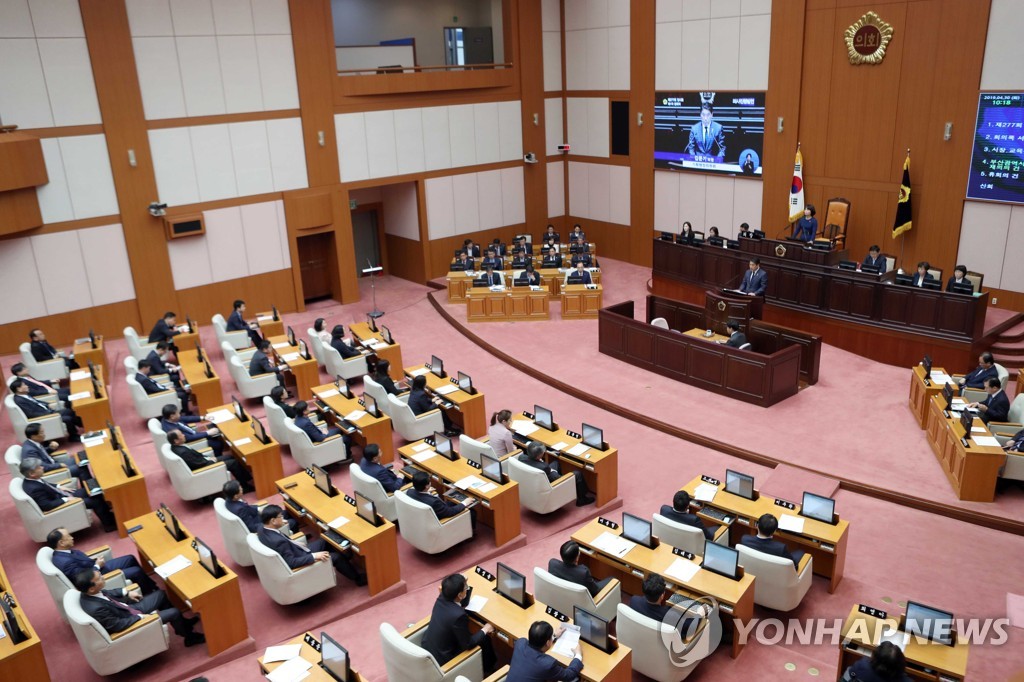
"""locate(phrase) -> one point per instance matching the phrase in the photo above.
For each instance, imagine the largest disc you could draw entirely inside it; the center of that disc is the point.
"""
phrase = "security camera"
(530, 157)
(157, 209)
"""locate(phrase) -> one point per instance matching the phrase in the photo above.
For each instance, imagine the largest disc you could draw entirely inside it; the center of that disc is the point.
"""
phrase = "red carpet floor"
(895, 552)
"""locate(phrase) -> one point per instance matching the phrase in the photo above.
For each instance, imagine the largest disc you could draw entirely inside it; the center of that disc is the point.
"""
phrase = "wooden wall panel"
(259, 292)
(405, 259)
(313, 43)
(62, 329)
(531, 74)
(19, 211)
(441, 250)
(641, 138)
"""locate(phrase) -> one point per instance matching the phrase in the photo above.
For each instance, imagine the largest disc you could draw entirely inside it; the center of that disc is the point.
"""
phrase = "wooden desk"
(921, 393)
(392, 353)
(550, 280)
(700, 334)
(376, 546)
(23, 661)
(973, 472)
(369, 429)
(823, 541)
(127, 496)
(217, 601)
(600, 468)
(206, 390)
(186, 340)
(497, 508)
(507, 305)
(512, 622)
(467, 410)
(85, 353)
(306, 372)
(925, 659)
(735, 597)
(316, 673)
(579, 302)
(269, 326)
(94, 412)
(262, 459)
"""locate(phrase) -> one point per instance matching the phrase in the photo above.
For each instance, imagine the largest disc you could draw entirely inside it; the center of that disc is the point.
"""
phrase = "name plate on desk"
(605, 522)
(785, 504)
(311, 641)
(472, 464)
(871, 611)
(708, 479)
(683, 553)
(483, 572)
(350, 500)
(557, 614)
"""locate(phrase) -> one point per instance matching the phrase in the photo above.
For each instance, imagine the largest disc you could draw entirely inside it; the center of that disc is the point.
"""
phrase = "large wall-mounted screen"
(997, 164)
(717, 132)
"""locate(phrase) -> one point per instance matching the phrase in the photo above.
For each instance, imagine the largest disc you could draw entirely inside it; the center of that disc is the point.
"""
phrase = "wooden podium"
(721, 306)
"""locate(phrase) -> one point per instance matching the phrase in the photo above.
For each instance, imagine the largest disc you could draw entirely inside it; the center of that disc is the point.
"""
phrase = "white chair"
(410, 426)
(284, 585)
(276, 420)
(72, 515)
(13, 458)
(421, 528)
(650, 641)
(1004, 376)
(53, 425)
(370, 488)
(136, 346)
(149, 405)
(564, 595)
(406, 661)
(1004, 431)
(682, 536)
(58, 583)
(659, 322)
(235, 533)
(1013, 470)
(777, 585)
(890, 263)
(745, 346)
(194, 485)
(237, 340)
(316, 346)
(306, 453)
(250, 387)
(339, 367)
(379, 395)
(471, 449)
(538, 494)
(47, 370)
(245, 354)
(108, 654)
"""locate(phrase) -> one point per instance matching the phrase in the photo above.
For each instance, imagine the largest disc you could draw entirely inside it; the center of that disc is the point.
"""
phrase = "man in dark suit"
(50, 496)
(278, 395)
(118, 610)
(448, 634)
(524, 246)
(35, 445)
(261, 364)
(157, 359)
(531, 662)
(569, 568)
(463, 263)
(755, 280)
(420, 402)
(1015, 444)
(249, 513)
(534, 457)
(579, 275)
(237, 323)
(338, 343)
(372, 467)
(33, 407)
(295, 554)
(550, 235)
(38, 387)
(473, 250)
(552, 259)
(680, 513)
(996, 407)
(72, 561)
(490, 277)
(196, 460)
(736, 337)
(706, 136)
(173, 420)
(985, 370)
(303, 423)
(581, 257)
(164, 330)
(492, 260)
(529, 276)
(767, 524)
(652, 604)
(43, 351)
(421, 492)
(152, 387)
(875, 258)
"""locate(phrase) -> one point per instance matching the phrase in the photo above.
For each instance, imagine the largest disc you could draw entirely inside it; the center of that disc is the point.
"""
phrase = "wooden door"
(315, 252)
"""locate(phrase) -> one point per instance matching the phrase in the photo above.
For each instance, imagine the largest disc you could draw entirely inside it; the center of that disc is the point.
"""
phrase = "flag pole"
(903, 236)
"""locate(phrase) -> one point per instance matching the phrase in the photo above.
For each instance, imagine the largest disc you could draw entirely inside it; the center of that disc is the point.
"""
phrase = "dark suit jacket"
(387, 478)
(293, 553)
(998, 408)
(310, 429)
(156, 364)
(880, 262)
(344, 350)
(1017, 442)
(544, 237)
(288, 410)
(917, 278)
(805, 229)
(162, 332)
(640, 604)
(549, 262)
(32, 407)
(42, 351)
(193, 459)
(689, 519)
(773, 547)
(462, 265)
(249, 514)
(387, 384)
(183, 425)
(72, 563)
(530, 665)
(492, 279)
(474, 252)
(112, 615)
(531, 278)
(30, 448)
(980, 376)
(235, 323)
(448, 634)
(754, 282)
(952, 281)
(542, 465)
(578, 257)
(260, 364)
(493, 262)
(584, 277)
(419, 402)
(578, 574)
(150, 386)
(701, 144)
(35, 389)
(861, 671)
(46, 495)
(736, 340)
(442, 508)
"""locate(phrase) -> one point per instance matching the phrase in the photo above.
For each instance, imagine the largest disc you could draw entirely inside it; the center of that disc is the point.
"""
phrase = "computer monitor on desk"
(933, 284)
(637, 530)
(259, 432)
(366, 509)
(927, 363)
(126, 464)
(207, 559)
(593, 629)
(847, 265)
(904, 279)
(208, 370)
(466, 383)
(511, 585)
(443, 446)
(967, 421)
(480, 282)
(199, 351)
(334, 659)
(323, 481)
(92, 338)
(819, 508)
(593, 437)
(543, 418)
(371, 322)
(870, 269)
(239, 410)
(291, 337)
(437, 367)
(171, 523)
(491, 468)
(721, 559)
(740, 484)
(574, 278)
(947, 394)
(11, 624)
(965, 288)
(930, 623)
(115, 443)
(370, 406)
(386, 335)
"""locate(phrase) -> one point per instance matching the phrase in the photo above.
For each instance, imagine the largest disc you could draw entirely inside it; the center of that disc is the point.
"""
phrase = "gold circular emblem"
(867, 39)
(780, 250)
(721, 306)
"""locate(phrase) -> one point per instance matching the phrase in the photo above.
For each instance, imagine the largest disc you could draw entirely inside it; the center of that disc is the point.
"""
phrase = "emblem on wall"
(867, 39)
(721, 306)
(780, 251)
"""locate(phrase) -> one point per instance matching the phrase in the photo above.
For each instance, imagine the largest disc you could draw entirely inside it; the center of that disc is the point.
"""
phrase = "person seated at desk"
(38, 387)
(165, 330)
(577, 234)
(531, 662)
(887, 664)
(278, 394)
(237, 323)
(297, 555)
(875, 259)
(43, 351)
(35, 445)
(579, 275)
(652, 604)
(448, 633)
(737, 339)
(118, 610)
(157, 359)
(996, 407)
(767, 524)
(1015, 444)
(550, 235)
(33, 407)
(473, 250)
(685, 235)
(196, 460)
(552, 259)
(339, 344)
(49, 495)
(745, 231)
(490, 277)
(499, 249)
(423, 492)
(381, 376)
(569, 568)
(249, 513)
(499, 435)
(320, 329)
(582, 257)
(420, 402)
(529, 276)
(315, 434)
(171, 419)
(525, 247)
(985, 370)
(261, 364)
(806, 229)
(713, 237)
(922, 275)
(73, 561)
(463, 263)
(755, 280)
(151, 386)
(960, 278)
(680, 513)
(534, 457)
(492, 260)
(371, 466)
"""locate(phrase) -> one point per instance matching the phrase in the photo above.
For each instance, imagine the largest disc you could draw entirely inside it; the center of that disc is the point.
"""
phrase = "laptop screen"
(436, 366)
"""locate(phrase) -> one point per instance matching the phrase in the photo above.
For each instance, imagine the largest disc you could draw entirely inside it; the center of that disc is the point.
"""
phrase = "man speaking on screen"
(706, 135)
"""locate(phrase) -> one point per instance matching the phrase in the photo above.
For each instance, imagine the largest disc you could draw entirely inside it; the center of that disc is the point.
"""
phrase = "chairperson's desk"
(498, 505)
(262, 459)
(484, 304)
(205, 389)
(126, 494)
(374, 340)
(218, 601)
(735, 597)
(972, 469)
(377, 547)
(369, 429)
(23, 661)
(93, 409)
(825, 542)
(467, 408)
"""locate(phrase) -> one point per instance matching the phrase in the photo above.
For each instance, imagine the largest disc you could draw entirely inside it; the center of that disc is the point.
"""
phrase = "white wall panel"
(437, 149)
(552, 125)
(666, 198)
(174, 167)
(692, 204)
(23, 97)
(618, 58)
(287, 154)
(486, 132)
(597, 126)
(696, 9)
(204, 90)
(1001, 68)
(579, 189)
(575, 60)
(106, 264)
(277, 72)
(190, 262)
(192, 17)
(409, 140)
(215, 170)
(725, 8)
(150, 17)
(440, 207)
(54, 197)
(227, 243)
(718, 198)
(984, 229)
(576, 120)
(16, 20)
(350, 131)
(381, 153)
(21, 296)
(62, 272)
(747, 195)
(552, 46)
(240, 73)
(401, 210)
(282, 226)
(513, 196)
(598, 187)
(668, 10)
(724, 66)
(597, 59)
(270, 17)
(668, 54)
(510, 130)
(576, 14)
(696, 53)
(556, 189)
(90, 181)
(550, 15)
(69, 82)
(749, 7)
(618, 13)
(467, 203)
(156, 61)
(250, 152)
(488, 186)
(596, 15)
(56, 18)
(755, 33)
(232, 17)
(263, 232)
(461, 130)
(1013, 275)
(619, 195)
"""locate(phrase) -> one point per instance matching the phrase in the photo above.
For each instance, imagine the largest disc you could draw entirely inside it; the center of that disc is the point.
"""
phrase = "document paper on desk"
(468, 482)
(329, 393)
(897, 637)
(682, 570)
(290, 357)
(355, 415)
(578, 449)
(80, 374)
(567, 641)
(790, 523)
(219, 416)
(941, 378)
(291, 671)
(705, 492)
(424, 456)
(613, 544)
(338, 522)
(446, 389)
(476, 603)
(418, 371)
(80, 395)
(91, 442)
(986, 441)
(524, 427)
(284, 652)
(169, 568)
(283, 344)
